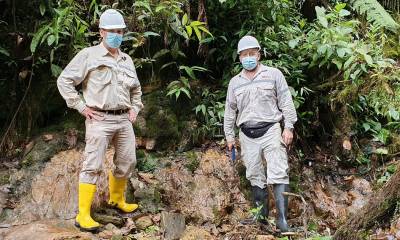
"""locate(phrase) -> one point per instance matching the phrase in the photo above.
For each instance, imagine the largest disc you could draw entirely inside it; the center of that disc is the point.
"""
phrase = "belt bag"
(255, 130)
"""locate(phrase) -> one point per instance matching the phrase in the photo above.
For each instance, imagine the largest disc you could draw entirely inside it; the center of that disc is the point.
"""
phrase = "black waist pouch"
(255, 130)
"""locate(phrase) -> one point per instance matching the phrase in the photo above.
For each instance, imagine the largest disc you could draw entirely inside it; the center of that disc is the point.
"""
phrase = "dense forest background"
(340, 58)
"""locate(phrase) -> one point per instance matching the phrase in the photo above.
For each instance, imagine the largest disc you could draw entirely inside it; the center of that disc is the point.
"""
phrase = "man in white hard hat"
(258, 99)
(111, 101)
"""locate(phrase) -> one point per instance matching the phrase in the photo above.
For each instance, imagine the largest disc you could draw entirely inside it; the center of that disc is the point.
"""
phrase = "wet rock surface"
(206, 195)
(193, 195)
(172, 224)
(53, 192)
(45, 230)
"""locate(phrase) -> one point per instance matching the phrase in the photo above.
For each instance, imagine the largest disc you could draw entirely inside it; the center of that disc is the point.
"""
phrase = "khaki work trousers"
(269, 147)
(115, 129)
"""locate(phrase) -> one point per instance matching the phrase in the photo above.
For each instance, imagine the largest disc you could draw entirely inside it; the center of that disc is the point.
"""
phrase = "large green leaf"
(375, 14)
(37, 38)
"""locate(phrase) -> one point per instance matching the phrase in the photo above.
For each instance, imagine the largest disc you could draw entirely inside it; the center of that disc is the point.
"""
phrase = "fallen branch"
(379, 207)
(305, 219)
(19, 106)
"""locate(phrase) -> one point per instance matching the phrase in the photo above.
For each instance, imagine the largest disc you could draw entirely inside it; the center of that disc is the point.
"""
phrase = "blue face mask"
(113, 40)
(249, 63)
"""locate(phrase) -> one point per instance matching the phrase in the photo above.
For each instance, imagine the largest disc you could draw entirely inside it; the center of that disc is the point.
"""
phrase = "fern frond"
(375, 14)
(393, 5)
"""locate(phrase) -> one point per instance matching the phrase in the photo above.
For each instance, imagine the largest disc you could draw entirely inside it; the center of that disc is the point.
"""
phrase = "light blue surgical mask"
(113, 40)
(249, 63)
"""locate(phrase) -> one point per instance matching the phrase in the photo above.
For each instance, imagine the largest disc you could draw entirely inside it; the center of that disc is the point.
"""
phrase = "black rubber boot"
(281, 202)
(260, 197)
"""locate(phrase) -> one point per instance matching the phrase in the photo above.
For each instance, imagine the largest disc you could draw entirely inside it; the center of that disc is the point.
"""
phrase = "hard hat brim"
(108, 27)
(249, 47)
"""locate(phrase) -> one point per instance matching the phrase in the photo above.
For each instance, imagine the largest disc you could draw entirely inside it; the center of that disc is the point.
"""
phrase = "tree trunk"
(308, 8)
(202, 16)
(380, 207)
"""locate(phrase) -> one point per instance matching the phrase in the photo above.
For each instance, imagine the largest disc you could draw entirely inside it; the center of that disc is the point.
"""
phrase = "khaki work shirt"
(266, 98)
(107, 83)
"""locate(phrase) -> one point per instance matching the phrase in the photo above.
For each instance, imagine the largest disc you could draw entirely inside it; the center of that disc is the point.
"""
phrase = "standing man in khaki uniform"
(258, 99)
(111, 101)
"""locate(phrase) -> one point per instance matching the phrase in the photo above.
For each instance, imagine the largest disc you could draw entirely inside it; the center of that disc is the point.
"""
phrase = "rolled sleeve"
(136, 95)
(285, 102)
(73, 74)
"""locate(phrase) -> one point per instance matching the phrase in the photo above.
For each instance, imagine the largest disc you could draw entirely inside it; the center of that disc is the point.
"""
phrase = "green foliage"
(393, 5)
(66, 29)
(192, 161)
(339, 61)
(66, 23)
(358, 74)
(320, 238)
(375, 13)
(147, 163)
(179, 86)
(210, 112)
(333, 42)
(196, 26)
(256, 212)
(152, 229)
(386, 174)
(377, 131)
(312, 226)
(182, 85)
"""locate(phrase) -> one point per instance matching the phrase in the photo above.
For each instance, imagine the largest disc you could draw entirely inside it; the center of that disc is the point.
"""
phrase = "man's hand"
(132, 115)
(230, 145)
(92, 114)
(287, 136)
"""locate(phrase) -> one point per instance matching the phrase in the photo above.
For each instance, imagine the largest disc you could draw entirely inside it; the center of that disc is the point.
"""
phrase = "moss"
(138, 130)
(140, 153)
(28, 161)
(191, 185)
(218, 216)
(394, 146)
(161, 123)
(71, 120)
(147, 163)
(117, 237)
(244, 184)
(168, 164)
(192, 161)
(4, 177)
(294, 183)
(163, 126)
(157, 195)
(42, 151)
(150, 199)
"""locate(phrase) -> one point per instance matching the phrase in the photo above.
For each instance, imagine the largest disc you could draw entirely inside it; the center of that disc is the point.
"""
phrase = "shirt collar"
(104, 51)
(261, 68)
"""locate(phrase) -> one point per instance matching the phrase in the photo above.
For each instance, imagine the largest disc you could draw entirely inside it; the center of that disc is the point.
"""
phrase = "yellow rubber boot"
(83, 220)
(117, 197)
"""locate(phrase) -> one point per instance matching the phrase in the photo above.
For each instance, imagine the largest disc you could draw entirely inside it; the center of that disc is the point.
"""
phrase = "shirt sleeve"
(230, 115)
(285, 101)
(136, 92)
(73, 74)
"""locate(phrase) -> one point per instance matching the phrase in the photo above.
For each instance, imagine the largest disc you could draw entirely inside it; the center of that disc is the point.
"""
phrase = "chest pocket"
(266, 92)
(129, 78)
(100, 74)
(242, 96)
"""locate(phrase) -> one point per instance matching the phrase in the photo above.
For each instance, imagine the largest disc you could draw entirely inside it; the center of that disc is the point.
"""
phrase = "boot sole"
(92, 229)
(115, 206)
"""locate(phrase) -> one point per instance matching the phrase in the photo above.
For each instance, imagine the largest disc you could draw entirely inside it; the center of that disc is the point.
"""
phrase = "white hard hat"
(247, 42)
(111, 19)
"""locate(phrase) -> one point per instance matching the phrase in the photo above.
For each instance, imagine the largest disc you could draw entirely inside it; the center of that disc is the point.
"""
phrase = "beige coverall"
(107, 84)
(266, 98)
